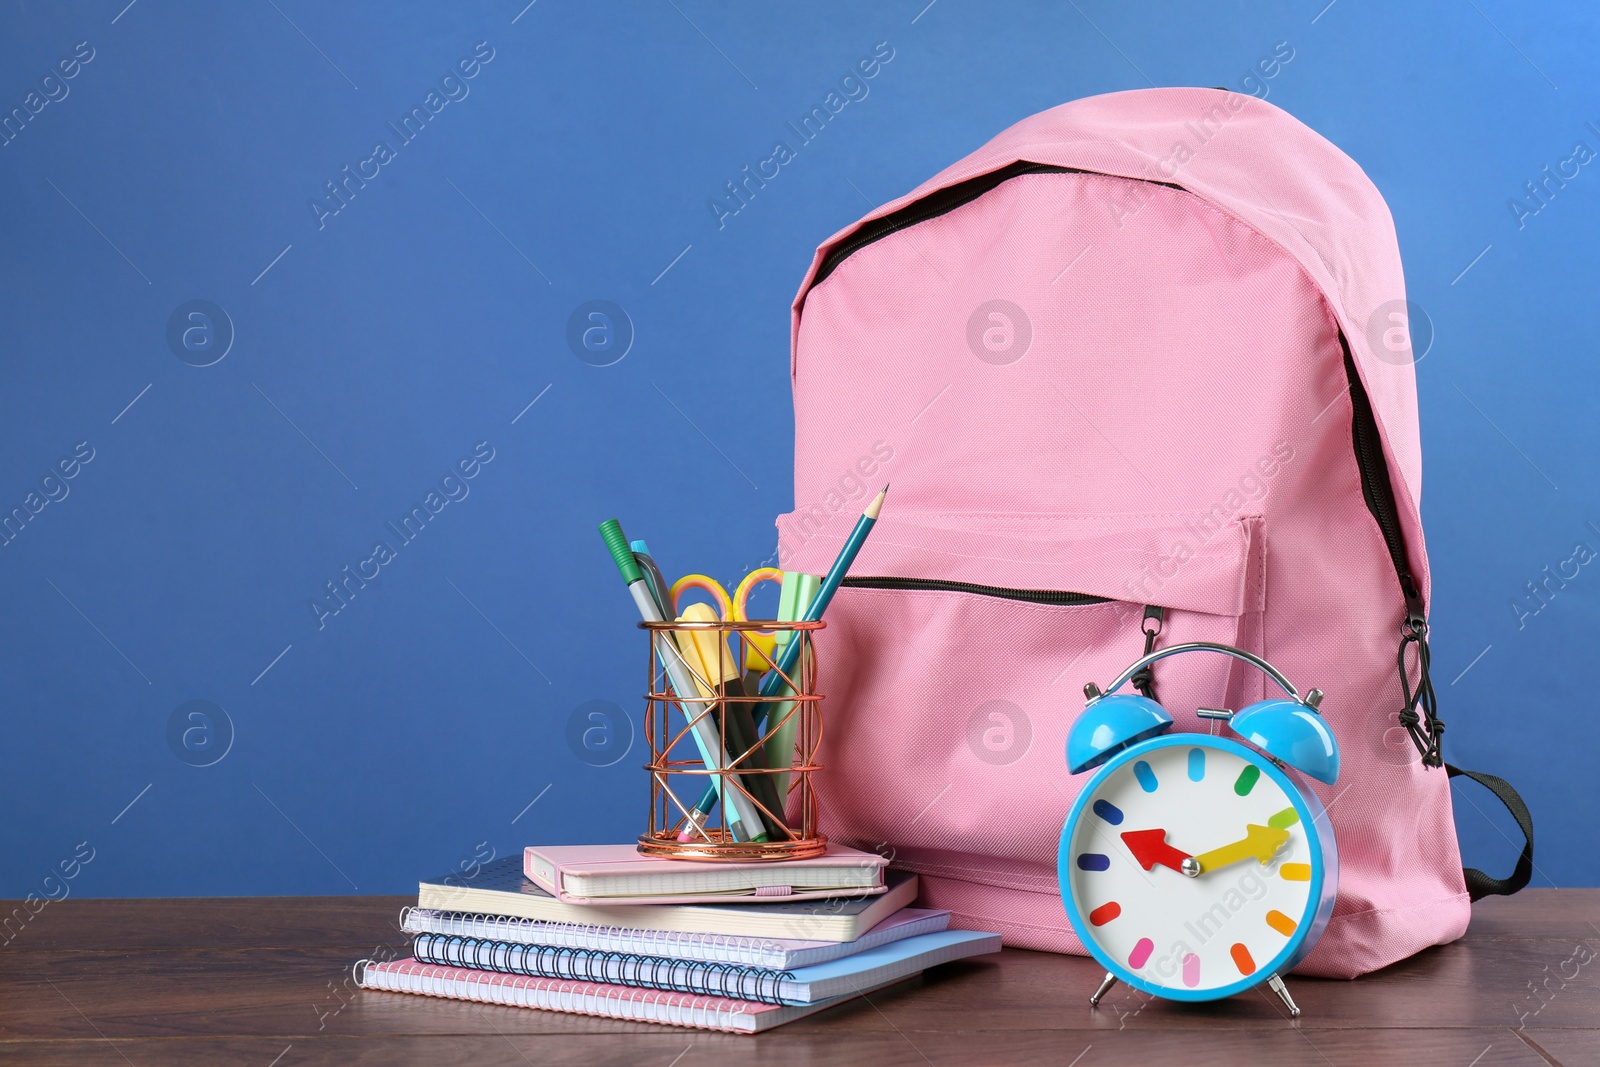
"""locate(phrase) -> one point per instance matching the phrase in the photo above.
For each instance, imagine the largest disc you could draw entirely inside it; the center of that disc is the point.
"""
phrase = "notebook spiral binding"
(698, 978)
(724, 948)
(574, 997)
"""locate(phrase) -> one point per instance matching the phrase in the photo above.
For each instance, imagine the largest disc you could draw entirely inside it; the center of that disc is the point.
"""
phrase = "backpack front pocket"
(947, 701)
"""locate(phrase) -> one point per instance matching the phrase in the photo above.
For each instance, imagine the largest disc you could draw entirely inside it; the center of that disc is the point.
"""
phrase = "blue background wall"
(373, 349)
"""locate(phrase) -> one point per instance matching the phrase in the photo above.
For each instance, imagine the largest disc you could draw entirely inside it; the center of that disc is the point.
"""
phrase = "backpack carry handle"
(1479, 884)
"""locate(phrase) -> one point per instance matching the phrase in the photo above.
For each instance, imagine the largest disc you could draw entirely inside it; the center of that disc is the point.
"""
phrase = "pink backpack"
(1139, 374)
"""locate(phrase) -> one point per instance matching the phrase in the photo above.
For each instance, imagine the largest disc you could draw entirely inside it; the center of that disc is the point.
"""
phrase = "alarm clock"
(1197, 866)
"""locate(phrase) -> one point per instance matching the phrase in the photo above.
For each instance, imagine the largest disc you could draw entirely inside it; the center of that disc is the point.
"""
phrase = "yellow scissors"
(758, 646)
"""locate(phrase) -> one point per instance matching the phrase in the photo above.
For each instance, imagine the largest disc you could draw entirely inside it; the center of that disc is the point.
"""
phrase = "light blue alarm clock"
(1192, 866)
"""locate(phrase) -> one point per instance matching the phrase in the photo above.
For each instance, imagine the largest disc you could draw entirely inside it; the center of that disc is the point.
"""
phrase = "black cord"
(1426, 729)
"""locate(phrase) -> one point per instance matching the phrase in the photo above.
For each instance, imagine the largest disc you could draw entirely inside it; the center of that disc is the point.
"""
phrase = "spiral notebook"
(800, 986)
(586, 998)
(774, 952)
(500, 888)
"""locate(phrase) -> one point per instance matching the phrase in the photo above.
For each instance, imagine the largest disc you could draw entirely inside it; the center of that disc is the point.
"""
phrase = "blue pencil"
(773, 682)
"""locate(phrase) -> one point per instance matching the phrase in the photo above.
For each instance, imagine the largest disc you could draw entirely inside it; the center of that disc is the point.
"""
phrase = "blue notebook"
(801, 986)
(775, 952)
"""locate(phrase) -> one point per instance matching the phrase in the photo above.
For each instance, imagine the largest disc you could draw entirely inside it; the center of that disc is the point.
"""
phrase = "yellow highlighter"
(706, 650)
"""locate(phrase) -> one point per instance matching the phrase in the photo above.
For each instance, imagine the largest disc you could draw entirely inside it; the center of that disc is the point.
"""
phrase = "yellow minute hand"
(1259, 843)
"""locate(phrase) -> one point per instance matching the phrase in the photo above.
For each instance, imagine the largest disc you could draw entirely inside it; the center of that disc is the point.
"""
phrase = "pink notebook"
(588, 998)
(618, 874)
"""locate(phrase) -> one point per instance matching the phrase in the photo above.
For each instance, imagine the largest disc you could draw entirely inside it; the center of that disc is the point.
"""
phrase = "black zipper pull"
(1416, 616)
(1143, 679)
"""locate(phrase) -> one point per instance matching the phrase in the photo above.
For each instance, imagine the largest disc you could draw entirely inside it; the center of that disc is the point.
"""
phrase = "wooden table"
(264, 981)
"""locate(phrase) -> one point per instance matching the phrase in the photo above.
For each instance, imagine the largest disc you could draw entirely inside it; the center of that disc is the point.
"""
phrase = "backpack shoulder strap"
(1479, 884)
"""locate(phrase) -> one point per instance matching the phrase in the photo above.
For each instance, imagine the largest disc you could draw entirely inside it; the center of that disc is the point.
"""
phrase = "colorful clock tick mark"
(1284, 819)
(1295, 872)
(1108, 811)
(1242, 959)
(1105, 913)
(1247, 779)
(1147, 777)
(1191, 970)
(1141, 953)
(1281, 922)
(1093, 861)
(1197, 764)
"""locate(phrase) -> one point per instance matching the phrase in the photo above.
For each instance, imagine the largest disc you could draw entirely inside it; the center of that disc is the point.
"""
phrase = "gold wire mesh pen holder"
(763, 774)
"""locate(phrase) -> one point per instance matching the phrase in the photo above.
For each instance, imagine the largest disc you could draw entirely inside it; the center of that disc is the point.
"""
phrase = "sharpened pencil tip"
(876, 506)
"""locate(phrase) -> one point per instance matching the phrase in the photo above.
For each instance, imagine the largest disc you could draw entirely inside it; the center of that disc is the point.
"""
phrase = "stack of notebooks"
(601, 930)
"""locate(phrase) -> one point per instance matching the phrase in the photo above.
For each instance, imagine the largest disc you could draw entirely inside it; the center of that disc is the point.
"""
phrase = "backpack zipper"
(1377, 489)
(940, 202)
(1419, 714)
(1142, 681)
(1030, 596)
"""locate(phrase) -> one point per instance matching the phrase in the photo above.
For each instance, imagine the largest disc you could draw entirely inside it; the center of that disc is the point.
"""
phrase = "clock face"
(1225, 810)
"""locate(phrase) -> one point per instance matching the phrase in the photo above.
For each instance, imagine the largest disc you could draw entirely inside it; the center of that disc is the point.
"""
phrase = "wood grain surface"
(265, 981)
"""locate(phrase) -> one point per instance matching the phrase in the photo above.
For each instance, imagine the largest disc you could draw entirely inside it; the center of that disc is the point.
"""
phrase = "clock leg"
(1282, 990)
(1105, 987)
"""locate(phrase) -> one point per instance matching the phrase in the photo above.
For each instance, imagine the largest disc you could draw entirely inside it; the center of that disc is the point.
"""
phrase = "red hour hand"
(1149, 847)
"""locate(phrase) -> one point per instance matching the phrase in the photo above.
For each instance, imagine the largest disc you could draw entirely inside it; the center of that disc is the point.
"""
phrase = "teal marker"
(741, 815)
(659, 590)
